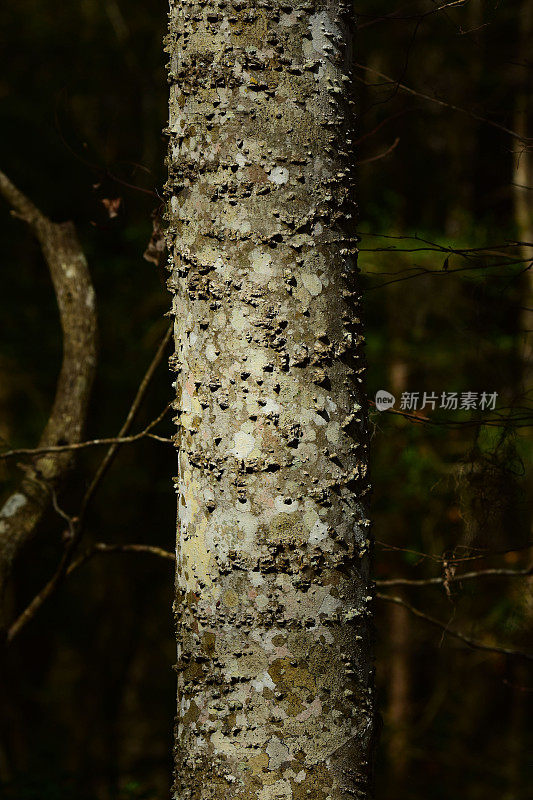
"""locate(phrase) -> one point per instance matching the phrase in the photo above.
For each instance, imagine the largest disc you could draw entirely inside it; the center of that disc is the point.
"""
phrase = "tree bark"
(273, 601)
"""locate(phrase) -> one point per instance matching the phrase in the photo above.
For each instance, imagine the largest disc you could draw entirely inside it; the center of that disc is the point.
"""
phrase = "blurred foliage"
(88, 690)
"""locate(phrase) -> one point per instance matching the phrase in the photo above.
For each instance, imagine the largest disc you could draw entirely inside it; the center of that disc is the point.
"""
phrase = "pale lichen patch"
(244, 444)
(278, 175)
(312, 283)
(238, 319)
(13, 504)
(280, 790)
(278, 753)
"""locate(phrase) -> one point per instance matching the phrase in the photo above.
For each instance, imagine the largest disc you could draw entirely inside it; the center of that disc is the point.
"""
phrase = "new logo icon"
(384, 400)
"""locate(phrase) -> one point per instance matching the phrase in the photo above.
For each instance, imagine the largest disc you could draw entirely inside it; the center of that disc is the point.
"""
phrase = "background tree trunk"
(522, 187)
(399, 666)
(272, 590)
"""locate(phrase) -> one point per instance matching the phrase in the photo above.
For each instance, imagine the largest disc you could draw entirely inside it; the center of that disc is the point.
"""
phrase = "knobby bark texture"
(75, 297)
(273, 604)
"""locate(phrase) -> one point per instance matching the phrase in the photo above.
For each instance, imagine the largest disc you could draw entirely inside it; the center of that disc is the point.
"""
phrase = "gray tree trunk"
(273, 602)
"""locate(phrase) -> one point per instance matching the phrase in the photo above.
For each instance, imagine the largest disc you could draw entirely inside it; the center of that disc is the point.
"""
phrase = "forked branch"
(76, 302)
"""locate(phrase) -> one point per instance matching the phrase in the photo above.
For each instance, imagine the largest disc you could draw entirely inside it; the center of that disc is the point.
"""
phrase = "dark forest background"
(88, 691)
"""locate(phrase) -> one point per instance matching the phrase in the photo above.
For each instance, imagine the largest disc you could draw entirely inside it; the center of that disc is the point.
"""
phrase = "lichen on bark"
(272, 588)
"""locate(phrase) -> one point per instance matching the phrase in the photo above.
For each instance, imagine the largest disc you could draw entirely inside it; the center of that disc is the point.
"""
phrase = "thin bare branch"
(473, 643)
(465, 576)
(454, 559)
(141, 391)
(67, 569)
(114, 441)
(389, 150)
(383, 122)
(30, 611)
(76, 523)
(520, 417)
(439, 102)
(394, 16)
(100, 548)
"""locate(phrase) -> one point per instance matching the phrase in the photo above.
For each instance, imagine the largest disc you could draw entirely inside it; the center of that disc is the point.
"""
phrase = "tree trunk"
(399, 666)
(522, 191)
(399, 696)
(522, 196)
(272, 589)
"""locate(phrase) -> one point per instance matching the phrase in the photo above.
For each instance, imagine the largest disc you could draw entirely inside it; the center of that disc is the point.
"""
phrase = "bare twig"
(68, 568)
(389, 150)
(442, 103)
(383, 122)
(101, 548)
(114, 441)
(521, 418)
(450, 559)
(473, 643)
(143, 386)
(75, 533)
(465, 576)
(55, 580)
(394, 16)
(76, 523)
